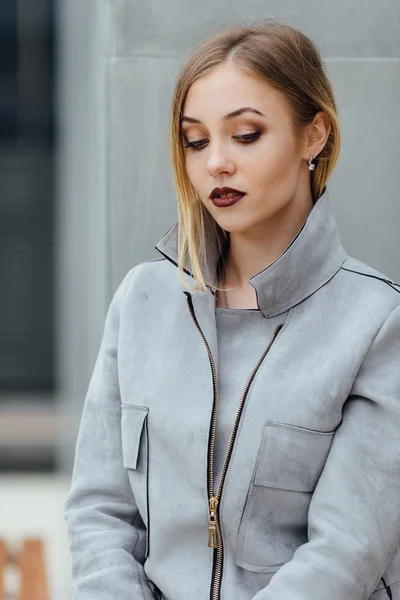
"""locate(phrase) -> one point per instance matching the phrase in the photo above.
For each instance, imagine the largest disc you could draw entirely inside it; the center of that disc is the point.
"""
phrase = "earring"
(311, 165)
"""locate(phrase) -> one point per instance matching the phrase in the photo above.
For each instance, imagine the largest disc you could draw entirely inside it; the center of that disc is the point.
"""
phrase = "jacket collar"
(311, 259)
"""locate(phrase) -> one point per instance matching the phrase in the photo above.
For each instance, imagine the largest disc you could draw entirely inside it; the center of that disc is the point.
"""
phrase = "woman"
(239, 439)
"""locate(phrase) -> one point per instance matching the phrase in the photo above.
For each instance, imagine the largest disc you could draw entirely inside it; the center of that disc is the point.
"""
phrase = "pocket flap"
(291, 457)
(133, 419)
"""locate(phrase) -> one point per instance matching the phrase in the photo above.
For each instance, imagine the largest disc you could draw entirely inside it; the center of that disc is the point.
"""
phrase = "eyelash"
(247, 138)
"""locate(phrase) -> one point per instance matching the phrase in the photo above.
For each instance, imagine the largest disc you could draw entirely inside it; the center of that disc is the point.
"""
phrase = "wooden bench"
(30, 561)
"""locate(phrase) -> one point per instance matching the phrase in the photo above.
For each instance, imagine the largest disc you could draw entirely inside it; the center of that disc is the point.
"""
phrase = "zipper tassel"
(213, 524)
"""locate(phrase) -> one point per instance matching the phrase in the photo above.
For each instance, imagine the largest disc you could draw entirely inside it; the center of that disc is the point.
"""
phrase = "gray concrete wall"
(83, 237)
(117, 197)
(360, 43)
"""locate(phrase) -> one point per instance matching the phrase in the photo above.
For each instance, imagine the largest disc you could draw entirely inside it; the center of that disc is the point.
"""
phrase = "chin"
(235, 224)
(229, 218)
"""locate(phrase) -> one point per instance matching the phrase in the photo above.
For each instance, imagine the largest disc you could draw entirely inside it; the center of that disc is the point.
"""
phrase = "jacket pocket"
(135, 457)
(275, 517)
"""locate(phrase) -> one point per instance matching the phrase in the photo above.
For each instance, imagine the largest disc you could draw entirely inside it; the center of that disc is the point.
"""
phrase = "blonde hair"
(289, 61)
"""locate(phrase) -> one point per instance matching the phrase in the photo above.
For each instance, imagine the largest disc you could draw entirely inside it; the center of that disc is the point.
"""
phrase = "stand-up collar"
(311, 259)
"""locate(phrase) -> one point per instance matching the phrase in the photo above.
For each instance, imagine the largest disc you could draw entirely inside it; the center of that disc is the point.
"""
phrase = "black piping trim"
(147, 487)
(170, 260)
(214, 567)
(388, 590)
(158, 592)
(222, 481)
(190, 300)
(392, 284)
(185, 270)
(249, 382)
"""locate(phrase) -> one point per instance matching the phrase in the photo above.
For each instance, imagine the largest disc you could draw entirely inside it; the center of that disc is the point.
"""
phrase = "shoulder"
(132, 287)
(365, 284)
(150, 276)
(352, 265)
(365, 275)
(149, 270)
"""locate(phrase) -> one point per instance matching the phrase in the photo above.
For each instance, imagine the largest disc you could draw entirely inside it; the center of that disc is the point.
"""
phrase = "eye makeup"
(246, 138)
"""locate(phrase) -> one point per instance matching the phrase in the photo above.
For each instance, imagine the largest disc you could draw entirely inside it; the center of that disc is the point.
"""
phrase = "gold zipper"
(214, 531)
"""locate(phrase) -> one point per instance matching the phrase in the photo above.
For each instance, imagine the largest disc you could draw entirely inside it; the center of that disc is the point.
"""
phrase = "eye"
(248, 138)
(196, 144)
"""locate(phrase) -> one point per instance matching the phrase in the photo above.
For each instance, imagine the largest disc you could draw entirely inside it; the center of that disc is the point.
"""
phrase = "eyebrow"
(231, 115)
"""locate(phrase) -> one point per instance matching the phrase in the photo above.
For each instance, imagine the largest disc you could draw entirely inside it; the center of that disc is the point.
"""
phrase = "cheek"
(193, 170)
(276, 160)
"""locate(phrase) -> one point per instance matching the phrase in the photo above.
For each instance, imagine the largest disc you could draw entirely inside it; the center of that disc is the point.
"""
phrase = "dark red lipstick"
(225, 196)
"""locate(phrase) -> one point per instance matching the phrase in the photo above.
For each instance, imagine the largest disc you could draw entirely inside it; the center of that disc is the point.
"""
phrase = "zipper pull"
(212, 524)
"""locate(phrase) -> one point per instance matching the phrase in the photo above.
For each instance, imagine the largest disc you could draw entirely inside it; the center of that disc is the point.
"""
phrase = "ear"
(316, 135)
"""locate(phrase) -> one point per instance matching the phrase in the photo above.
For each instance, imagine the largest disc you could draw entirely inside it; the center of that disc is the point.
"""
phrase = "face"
(253, 151)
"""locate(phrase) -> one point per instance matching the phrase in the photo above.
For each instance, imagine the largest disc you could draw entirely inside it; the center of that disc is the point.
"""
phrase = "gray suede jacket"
(308, 506)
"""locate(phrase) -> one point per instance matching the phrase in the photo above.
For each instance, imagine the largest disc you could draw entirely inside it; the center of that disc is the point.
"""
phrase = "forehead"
(228, 87)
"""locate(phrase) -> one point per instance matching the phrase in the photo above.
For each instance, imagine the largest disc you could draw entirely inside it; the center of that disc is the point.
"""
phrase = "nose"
(218, 162)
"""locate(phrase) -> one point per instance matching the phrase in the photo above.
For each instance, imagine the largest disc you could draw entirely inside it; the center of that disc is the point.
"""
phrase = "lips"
(222, 191)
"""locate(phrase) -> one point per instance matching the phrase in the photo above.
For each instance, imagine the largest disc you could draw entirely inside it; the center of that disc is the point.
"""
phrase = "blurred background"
(86, 192)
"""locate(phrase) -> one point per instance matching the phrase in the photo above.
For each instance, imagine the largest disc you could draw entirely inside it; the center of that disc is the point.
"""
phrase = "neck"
(253, 250)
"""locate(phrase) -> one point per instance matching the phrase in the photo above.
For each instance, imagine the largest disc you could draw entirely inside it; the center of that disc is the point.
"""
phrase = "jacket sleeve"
(100, 508)
(354, 514)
